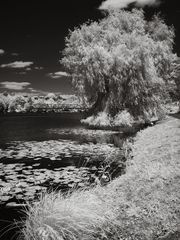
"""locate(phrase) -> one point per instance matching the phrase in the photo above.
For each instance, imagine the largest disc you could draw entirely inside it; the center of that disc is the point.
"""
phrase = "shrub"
(123, 119)
(102, 119)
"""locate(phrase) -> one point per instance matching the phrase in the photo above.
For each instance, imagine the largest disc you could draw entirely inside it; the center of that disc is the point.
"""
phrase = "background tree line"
(34, 103)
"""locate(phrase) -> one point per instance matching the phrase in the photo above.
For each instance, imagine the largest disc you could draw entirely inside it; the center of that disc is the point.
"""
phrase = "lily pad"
(71, 185)
(29, 167)
(19, 196)
(26, 172)
(18, 169)
(22, 184)
(5, 198)
(11, 177)
(10, 166)
(14, 204)
(36, 164)
(17, 190)
(31, 180)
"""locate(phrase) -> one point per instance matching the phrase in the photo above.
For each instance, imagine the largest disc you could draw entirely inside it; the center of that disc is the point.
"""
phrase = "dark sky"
(32, 37)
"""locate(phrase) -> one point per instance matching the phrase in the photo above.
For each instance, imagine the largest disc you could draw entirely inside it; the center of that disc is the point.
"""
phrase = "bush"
(102, 119)
(123, 119)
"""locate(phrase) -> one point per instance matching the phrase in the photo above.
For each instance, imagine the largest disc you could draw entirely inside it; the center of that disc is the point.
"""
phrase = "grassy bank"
(142, 204)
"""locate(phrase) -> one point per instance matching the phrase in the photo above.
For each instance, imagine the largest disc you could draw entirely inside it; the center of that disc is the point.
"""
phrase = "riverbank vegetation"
(105, 121)
(142, 204)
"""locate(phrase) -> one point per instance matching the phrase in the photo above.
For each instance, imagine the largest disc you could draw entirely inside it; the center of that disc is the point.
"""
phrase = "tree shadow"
(175, 115)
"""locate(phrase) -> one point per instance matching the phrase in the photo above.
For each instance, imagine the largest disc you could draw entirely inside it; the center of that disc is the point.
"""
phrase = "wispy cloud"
(17, 64)
(14, 85)
(15, 54)
(38, 68)
(28, 69)
(32, 90)
(22, 73)
(58, 74)
(2, 51)
(124, 3)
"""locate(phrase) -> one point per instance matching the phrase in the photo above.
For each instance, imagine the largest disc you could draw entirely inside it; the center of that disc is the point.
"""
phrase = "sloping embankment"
(142, 204)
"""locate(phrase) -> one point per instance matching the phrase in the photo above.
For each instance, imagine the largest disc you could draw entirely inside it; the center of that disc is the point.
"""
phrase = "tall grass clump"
(82, 215)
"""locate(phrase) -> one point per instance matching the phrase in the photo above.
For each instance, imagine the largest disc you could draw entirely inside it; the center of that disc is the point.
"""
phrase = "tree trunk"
(101, 104)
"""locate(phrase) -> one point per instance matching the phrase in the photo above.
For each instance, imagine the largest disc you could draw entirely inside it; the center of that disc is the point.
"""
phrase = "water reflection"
(83, 135)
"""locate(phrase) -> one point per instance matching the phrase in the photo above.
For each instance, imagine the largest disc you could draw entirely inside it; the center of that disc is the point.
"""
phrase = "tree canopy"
(121, 62)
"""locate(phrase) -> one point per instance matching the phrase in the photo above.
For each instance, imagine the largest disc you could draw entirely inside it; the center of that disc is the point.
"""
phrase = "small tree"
(7, 99)
(2, 106)
(17, 105)
(122, 61)
(28, 106)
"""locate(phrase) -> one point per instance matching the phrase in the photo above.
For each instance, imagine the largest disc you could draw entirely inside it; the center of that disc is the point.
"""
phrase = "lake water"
(40, 153)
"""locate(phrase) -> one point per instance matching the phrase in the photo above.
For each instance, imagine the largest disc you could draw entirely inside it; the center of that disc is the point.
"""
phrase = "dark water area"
(24, 128)
(46, 152)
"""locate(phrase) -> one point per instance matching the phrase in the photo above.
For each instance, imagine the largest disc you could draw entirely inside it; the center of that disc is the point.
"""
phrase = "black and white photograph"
(90, 120)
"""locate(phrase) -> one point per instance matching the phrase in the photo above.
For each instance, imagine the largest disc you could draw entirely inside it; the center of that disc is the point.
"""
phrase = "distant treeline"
(35, 103)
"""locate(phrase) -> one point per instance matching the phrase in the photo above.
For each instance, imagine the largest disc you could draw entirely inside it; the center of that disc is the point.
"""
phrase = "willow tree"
(121, 62)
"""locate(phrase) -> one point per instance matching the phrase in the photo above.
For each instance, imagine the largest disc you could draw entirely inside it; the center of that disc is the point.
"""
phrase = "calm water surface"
(46, 152)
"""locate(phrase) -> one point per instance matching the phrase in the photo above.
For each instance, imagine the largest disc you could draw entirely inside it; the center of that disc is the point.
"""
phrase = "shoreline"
(21, 114)
(141, 204)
